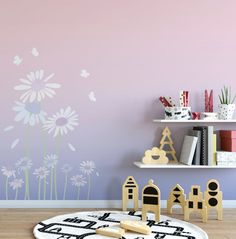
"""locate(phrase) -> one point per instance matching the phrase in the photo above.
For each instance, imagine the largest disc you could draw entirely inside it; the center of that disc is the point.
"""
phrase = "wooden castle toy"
(213, 197)
(155, 156)
(195, 203)
(130, 192)
(136, 226)
(151, 198)
(111, 232)
(166, 141)
(176, 197)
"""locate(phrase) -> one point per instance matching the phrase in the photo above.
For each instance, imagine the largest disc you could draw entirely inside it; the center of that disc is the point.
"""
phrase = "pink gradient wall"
(135, 51)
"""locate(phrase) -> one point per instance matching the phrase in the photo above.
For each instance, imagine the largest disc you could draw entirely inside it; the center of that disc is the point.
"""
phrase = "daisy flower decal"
(87, 167)
(84, 73)
(62, 122)
(29, 113)
(41, 173)
(36, 87)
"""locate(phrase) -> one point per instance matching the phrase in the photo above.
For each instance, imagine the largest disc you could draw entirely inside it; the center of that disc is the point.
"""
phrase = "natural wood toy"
(213, 197)
(176, 197)
(111, 231)
(136, 226)
(151, 198)
(166, 141)
(195, 203)
(130, 192)
(155, 156)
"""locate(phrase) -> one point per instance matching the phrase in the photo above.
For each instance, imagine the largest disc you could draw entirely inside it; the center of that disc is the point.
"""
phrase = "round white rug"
(83, 225)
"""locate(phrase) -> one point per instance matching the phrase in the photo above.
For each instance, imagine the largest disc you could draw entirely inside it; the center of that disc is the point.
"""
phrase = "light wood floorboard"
(19, 223)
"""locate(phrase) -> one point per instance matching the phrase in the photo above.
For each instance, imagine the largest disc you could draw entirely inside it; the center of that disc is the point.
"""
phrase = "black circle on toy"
(213, 186)
(212, 202)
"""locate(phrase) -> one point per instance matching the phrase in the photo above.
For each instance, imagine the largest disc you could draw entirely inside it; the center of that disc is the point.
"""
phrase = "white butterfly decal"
(17, 60)
(92, 96)
(34, 52)
(84, 74)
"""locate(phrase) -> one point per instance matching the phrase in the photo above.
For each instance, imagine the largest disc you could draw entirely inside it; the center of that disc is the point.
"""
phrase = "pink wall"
(135, 51)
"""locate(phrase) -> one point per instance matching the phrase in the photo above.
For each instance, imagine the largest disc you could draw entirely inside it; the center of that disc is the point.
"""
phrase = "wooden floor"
(19, 223)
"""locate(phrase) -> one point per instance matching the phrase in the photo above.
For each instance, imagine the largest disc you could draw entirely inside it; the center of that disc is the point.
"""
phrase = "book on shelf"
(188, 149)
(197, 154)
(214, 148)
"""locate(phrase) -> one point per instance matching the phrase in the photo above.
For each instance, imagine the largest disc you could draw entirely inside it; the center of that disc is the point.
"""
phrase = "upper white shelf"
(193, 121)
(142, 165)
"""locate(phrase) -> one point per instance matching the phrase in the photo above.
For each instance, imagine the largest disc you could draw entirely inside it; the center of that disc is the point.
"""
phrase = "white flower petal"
(53, 85)
(22, 87)
(14, 143)
(49, 77)
(8, 128)
(32, 96)
(72, 148)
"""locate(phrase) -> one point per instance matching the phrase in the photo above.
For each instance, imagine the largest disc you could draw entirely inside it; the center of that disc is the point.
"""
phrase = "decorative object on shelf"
(166, 141)
(228, 140)
(213, 197)
(184, 98)
(177, 113)
(227, 106)
(151, 199)
(165, 102)
(196, 115)
(176, 197)
(224, 158)
(209, 116)
(196, 203)
(115, 232)
(136, 226)
(130, 192)
(208, 101)
(155, 156)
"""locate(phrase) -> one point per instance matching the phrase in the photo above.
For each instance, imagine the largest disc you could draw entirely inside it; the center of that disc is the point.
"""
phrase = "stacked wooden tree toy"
(196, 201)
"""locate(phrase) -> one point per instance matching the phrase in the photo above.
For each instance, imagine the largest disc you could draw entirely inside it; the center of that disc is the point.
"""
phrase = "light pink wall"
(135, 51)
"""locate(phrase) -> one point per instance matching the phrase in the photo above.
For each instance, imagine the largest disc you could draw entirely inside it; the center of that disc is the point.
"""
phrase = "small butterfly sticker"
(84, 74)
(92, 97)
(34, 52)
(17, 60)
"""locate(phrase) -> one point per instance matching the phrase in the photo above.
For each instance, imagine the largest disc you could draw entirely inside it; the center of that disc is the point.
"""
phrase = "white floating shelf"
(193, 121)
(142, 165)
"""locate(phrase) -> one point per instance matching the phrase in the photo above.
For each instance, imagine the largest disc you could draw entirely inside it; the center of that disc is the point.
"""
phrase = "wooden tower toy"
(151, 199)
(166, 141)
(213, 197)
(130, 192)
(195, 203)
(176, 197)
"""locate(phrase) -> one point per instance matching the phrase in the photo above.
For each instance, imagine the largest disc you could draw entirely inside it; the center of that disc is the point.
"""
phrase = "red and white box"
(228, 140)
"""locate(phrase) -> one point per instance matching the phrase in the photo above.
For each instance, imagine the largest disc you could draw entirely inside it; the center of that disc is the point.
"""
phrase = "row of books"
(199, 146)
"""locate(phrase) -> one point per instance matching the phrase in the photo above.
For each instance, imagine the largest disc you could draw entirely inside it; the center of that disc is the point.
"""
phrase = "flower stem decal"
(87, 168)
(23, 165)
(8, 173)
(66, 169)
(78, 181)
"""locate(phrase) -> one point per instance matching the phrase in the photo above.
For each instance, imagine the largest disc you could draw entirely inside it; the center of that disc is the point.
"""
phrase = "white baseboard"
(80, 204)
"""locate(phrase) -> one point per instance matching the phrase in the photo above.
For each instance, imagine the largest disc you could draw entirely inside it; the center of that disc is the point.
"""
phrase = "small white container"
(177, 113)
(226, 112)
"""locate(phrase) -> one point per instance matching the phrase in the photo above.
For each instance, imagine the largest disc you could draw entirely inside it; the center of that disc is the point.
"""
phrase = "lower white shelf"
(142, 165)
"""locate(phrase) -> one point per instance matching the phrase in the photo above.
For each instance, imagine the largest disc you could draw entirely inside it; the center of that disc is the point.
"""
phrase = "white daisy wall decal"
(84, 74)
(17, 60)
(29, 113)
(92, 96)
(34, 52)
(71, 147)
(62, 122)
(36, 87)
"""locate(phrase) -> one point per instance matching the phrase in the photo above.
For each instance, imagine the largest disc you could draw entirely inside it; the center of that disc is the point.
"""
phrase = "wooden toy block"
(155, 156)
(111, 231)
(166, 141)
(176, 197)
(195, 203)
(130, 192)
(213, 197)
(151, 198)
(208, 101)
(136, 226)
